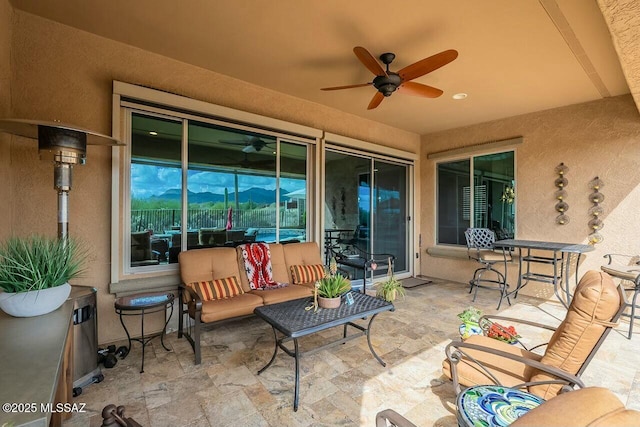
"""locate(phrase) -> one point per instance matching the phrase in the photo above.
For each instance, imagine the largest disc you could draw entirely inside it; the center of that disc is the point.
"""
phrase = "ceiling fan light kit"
(386, 82)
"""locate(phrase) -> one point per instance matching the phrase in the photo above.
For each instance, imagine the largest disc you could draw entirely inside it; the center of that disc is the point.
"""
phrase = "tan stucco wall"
(61, 73)
(600, 138)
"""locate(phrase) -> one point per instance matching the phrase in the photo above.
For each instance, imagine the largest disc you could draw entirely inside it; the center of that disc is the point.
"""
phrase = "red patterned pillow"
(217, 289)
(307, 273)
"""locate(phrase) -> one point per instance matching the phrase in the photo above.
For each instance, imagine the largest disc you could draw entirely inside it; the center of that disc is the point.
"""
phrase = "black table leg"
(164, 330)
(144, 344)
(369, 342)
(126, 331)
(296, 395)
(275, 351)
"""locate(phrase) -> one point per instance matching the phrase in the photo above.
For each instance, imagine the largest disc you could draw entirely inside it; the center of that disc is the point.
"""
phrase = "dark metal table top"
(291, 318)
(144, 301)
(542, 245)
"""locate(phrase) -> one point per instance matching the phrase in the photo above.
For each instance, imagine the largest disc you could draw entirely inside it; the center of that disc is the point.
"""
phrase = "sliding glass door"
(366, 207)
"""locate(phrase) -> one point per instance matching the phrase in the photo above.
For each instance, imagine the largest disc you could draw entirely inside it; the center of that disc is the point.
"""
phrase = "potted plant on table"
(35, 273)
(390, 288)
(331, 287)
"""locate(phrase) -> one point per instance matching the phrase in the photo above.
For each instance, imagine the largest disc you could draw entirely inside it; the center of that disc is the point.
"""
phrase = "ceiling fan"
(387, 82)
(252, 144)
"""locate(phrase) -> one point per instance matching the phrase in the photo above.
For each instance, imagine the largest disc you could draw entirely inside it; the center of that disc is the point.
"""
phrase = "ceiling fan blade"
(418, 89)
(427, 65)
(375, 101)
(369, 61)
(346, 87)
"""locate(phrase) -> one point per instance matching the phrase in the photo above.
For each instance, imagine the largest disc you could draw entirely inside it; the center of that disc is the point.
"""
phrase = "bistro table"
(141, 305)
(562, 256)
(293, 320)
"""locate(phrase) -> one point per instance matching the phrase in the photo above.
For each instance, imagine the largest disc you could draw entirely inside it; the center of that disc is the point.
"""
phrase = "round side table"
(140, 305)
(492, 405)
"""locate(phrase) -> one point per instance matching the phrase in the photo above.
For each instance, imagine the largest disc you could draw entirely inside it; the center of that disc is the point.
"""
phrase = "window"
(485, 201)
(201, 183)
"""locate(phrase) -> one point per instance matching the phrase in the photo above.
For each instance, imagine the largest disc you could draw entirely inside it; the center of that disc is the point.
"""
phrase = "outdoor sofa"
(221, 264)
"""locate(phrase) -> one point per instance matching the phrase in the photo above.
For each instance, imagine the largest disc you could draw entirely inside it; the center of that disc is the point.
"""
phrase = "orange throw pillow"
(217, 289)
(307, 273)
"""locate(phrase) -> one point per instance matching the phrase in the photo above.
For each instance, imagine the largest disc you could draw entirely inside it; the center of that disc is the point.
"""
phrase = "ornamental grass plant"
(38, 262)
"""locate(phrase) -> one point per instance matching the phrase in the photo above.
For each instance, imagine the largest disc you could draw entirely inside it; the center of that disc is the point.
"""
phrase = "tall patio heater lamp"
(68, 145)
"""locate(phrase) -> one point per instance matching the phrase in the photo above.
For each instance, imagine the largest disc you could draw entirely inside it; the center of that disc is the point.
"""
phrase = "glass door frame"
(373, 156)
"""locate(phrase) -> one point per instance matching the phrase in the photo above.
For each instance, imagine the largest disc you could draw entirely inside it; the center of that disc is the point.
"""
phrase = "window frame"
(128, 99)
(470, 156)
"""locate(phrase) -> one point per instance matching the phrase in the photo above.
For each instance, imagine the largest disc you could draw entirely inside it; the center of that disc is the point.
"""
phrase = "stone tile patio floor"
(342, 386)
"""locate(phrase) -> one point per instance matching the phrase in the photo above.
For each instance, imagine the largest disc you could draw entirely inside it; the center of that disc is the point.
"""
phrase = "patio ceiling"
(514, 57)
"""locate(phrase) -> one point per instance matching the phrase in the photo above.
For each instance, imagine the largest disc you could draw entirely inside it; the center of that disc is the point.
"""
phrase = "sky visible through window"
(148, 181)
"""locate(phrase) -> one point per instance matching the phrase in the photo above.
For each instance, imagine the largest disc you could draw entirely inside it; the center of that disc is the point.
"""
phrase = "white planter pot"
(34, 303)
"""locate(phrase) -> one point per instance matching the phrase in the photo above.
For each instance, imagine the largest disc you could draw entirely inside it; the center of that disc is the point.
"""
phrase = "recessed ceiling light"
(153, 132)
(460, 95)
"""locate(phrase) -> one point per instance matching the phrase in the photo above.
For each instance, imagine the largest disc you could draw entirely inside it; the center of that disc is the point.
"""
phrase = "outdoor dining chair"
(480, 248)
(629, 275)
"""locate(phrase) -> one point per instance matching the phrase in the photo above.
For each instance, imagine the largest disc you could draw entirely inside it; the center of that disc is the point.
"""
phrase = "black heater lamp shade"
(68, 144)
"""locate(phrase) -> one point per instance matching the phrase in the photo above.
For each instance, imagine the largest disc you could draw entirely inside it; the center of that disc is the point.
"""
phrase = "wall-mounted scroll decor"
(561, 194)
(595, 224)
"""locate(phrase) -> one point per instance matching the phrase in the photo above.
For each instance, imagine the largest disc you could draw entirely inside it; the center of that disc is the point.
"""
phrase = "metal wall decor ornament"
(595, 224)
(561, 194)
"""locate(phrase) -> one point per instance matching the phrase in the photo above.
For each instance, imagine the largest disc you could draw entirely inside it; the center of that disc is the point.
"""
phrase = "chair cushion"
(508, 372)
(217, 289)
(594, 305)
(591, 406)
(306, 273)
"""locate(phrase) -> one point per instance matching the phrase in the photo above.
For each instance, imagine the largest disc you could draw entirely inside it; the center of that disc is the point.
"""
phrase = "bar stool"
(480, 248)
(627, 273)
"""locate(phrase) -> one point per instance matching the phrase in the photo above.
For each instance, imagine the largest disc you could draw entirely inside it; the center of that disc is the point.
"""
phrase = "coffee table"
(292, 321)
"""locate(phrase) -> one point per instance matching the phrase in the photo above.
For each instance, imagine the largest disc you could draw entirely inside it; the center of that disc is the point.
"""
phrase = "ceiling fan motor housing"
(387, 84)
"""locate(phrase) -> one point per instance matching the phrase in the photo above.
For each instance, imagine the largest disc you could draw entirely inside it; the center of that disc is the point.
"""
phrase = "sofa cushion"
(199, 265)
(217, 289)
(301, 273)
(306, 253)
(595, 303)
(272, 296)
(222, 309)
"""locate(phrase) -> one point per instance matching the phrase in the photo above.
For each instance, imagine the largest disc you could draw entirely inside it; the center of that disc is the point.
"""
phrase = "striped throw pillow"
(217, 289)
(307, 273)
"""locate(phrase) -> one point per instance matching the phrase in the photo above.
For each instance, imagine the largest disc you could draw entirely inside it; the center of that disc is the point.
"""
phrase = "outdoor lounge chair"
(630, 280)
(481, 360)
(591, 406)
